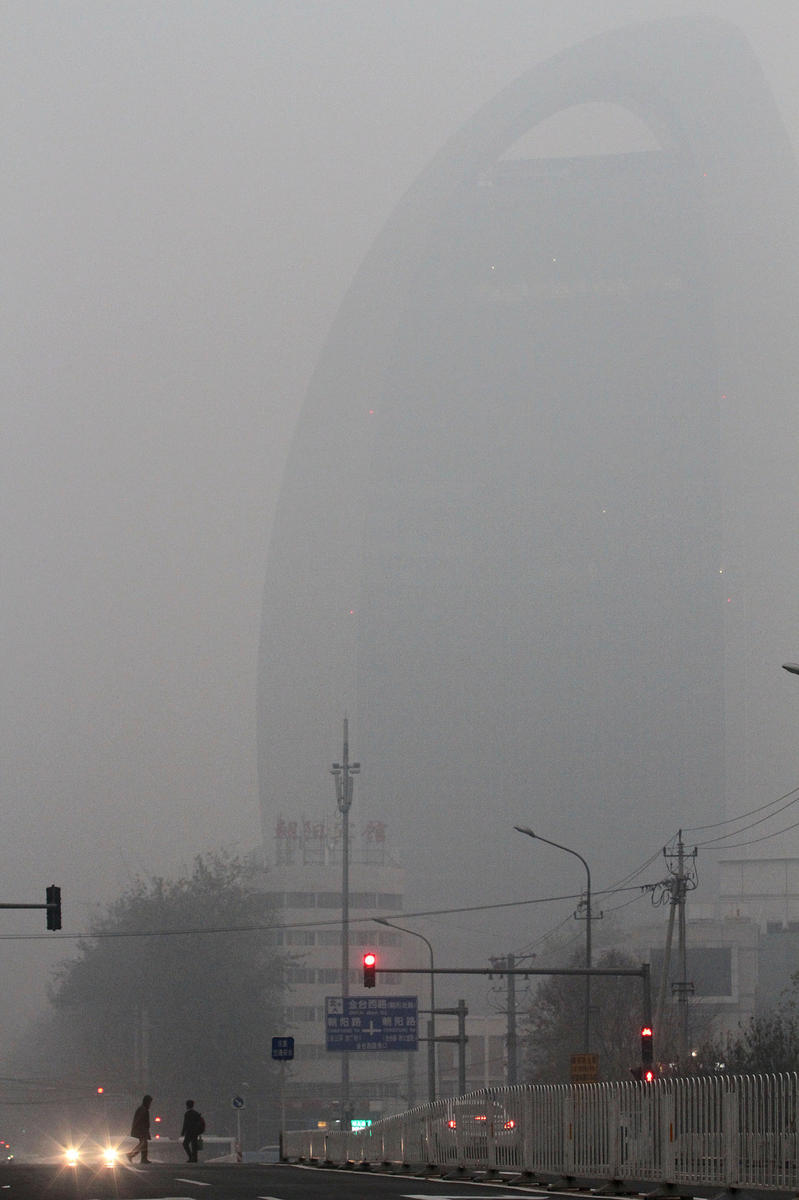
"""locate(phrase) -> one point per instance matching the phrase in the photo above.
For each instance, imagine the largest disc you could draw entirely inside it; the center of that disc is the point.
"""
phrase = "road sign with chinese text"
(371, 1023)
(283, 1048)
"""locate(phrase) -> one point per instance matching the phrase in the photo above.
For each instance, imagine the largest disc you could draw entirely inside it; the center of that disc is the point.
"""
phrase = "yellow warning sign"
(584, 1068)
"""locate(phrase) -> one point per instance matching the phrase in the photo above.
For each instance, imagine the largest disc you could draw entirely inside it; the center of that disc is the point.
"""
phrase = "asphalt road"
(231, 1181)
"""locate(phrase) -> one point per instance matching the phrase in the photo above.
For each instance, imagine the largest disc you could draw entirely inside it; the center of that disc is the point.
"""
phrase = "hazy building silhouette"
(536, 531)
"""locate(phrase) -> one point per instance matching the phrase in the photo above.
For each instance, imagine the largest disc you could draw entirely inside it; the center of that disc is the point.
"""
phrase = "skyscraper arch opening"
(586, 130)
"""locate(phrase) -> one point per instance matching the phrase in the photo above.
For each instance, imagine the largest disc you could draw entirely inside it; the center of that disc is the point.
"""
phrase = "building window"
(303, 1012)
(300, 937)
(496, 1055)
(300, 975)
(310, 1051)
(476, 1049)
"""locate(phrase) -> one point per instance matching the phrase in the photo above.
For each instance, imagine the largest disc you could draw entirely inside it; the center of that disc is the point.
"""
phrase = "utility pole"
(511, 1020)
(682, 879)
(507, 967)
(342, 773)
(684, 986)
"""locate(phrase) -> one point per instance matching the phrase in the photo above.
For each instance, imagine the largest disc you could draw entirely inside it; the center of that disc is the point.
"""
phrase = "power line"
(751, 813)
(752, 841)
(317, 924)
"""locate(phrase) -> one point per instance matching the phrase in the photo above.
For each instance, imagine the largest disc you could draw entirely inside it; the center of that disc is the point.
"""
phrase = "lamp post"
(791, 668)
(568, 850)
(431, 1029)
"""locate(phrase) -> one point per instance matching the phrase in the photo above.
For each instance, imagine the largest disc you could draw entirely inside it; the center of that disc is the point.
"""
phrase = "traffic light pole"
(461, 1012)
(52, 904)
(643, 973)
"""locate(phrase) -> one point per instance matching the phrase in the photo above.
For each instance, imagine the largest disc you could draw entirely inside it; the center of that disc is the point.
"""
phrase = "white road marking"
(193, 1182)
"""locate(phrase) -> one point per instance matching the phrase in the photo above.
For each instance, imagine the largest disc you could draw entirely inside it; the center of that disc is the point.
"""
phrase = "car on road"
(89, 1153)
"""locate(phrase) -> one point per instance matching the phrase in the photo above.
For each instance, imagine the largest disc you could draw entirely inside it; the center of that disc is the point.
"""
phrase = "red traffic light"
(369, 967)
(100, 1091)
(646, 1047)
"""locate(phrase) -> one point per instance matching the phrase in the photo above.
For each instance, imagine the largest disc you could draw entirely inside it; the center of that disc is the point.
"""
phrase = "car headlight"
(110, 1156)
(72, 1156)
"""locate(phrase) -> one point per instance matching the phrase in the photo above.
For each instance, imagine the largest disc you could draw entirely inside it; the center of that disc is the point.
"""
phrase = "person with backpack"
(192, 1131)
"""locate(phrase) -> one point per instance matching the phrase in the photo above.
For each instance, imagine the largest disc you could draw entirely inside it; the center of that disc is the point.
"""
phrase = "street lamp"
(587, 1026)
(431, 1040)
(792, 668)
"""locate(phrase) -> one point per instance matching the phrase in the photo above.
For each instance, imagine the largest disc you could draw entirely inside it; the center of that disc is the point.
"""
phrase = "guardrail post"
(731, 1134)
(568, 1134)
(668, 1145)
(614, 1133)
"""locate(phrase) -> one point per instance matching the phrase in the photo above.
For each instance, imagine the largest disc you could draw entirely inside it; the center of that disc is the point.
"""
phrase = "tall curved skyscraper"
(537, 535)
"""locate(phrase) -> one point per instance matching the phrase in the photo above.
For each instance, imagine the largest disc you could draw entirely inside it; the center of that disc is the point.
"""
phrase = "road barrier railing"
(726, 1131)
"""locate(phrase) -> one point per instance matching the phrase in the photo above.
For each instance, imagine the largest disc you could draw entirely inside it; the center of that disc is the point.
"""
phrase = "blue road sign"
(238, 1102)
(371, 1023)
(283, 1048)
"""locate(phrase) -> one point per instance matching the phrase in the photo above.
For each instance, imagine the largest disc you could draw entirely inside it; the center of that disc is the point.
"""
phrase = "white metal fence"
(726, 1131)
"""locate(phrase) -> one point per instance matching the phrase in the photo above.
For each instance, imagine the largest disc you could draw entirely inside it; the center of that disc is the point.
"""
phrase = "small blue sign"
(238, 1102)
(371, 1023)
(283, 1048)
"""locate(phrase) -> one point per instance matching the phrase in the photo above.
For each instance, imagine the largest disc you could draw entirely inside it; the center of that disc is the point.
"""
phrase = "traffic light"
(646, 1046)
(369, 966)
(53, 907)
(647, 1059)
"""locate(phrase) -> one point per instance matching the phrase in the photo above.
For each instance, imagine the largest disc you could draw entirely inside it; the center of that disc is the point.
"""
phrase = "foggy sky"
(189, 188)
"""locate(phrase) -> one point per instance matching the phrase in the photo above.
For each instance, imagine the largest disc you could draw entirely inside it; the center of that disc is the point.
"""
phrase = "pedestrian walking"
(192, 1131)
(141, 1129)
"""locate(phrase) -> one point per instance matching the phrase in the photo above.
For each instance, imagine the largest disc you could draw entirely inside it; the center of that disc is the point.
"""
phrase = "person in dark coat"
(141, 1129)
(193, 1128)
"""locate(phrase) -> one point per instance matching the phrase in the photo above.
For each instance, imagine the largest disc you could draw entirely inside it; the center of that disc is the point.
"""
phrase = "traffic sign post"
(238, 1104)
(283, 1052)
(373, 1023)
